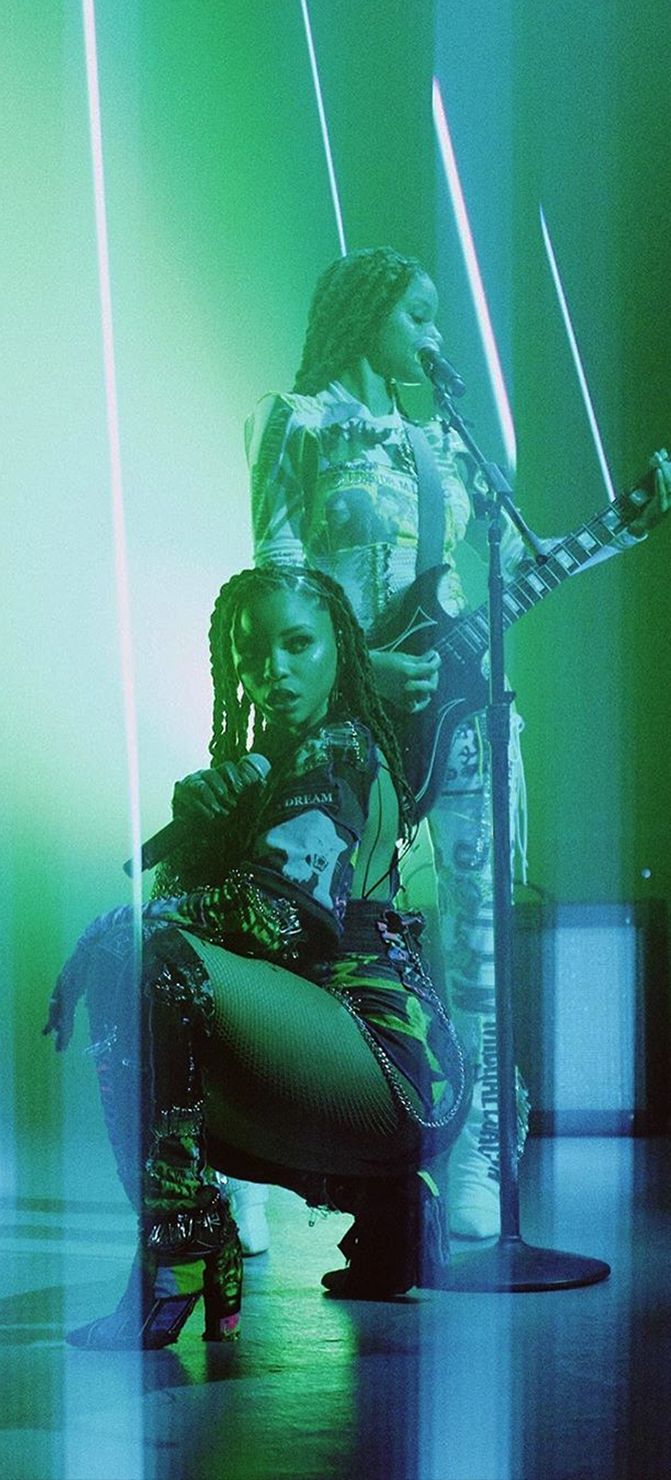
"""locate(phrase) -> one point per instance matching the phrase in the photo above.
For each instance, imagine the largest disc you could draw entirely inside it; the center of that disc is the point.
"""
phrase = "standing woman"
(289, 1032)
(342, 481)
(335, 485)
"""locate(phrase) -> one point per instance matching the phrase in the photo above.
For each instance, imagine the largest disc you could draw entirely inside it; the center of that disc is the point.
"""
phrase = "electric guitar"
(416, 622)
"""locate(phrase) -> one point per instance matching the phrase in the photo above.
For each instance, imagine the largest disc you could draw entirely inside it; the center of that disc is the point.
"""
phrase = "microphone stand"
(510, 1264)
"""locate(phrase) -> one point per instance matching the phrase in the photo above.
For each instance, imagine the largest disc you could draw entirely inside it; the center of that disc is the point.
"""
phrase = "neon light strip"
(474, 276)
(114, 448)
(324, 128)
(582, 379)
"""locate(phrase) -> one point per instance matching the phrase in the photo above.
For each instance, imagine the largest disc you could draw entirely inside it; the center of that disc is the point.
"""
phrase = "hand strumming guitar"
(407, 681)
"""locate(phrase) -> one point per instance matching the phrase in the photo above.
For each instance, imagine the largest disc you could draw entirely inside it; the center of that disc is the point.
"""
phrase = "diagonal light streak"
(474, 276)
(582, 379)
(114, 452)
(324, 128)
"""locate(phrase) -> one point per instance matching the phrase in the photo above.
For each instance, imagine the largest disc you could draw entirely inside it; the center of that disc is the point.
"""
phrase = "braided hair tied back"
(350, 303)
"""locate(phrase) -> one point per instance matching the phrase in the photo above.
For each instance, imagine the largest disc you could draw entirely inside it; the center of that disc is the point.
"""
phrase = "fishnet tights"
(288, 1075)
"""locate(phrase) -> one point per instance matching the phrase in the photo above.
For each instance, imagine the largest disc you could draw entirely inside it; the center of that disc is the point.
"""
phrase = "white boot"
(248, 1206)
(473, 1167)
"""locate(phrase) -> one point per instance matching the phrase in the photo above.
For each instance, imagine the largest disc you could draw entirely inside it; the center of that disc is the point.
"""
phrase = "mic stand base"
(515, 1266)
(511, 1264)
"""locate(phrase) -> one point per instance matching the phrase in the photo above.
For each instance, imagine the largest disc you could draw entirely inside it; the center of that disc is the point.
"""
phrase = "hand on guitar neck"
(651, 511)
(642, 509)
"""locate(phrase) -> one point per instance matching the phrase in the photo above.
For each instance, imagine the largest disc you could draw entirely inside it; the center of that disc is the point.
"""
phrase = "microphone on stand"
(253, 770)
(439, 370)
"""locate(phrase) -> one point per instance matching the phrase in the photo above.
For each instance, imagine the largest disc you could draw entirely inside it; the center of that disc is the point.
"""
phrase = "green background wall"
(220, 219)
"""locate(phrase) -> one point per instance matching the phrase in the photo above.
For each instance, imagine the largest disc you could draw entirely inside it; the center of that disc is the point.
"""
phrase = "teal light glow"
(474, 276)
(582, 379)
(114, 448)
(324, 128)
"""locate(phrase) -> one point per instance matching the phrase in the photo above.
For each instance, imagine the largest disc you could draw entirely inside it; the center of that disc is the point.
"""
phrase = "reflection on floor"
(573, 1385)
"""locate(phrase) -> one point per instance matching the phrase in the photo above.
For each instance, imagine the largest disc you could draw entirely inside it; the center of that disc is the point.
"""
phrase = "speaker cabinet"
(591, 1008)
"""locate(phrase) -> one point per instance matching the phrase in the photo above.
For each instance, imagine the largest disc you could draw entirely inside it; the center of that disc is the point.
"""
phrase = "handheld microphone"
(253, 770)
(439, 370)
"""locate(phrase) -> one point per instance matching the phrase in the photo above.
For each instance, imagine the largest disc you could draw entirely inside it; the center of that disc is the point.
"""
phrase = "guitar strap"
(430, 499)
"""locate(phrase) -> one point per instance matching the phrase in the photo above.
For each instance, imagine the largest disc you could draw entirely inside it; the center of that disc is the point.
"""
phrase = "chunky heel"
(180, 1258)
(222, 1291)
(166, 1319)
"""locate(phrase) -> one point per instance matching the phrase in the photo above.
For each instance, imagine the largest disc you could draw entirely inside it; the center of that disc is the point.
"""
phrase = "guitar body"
(417, 623)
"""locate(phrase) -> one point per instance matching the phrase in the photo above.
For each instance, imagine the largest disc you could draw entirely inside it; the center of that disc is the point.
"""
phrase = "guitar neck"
(469, 634)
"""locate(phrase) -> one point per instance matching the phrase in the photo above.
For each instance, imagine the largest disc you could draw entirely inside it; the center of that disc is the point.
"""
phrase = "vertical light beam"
(324, 128)
(582, 379)
(114, 450)
(474, 276)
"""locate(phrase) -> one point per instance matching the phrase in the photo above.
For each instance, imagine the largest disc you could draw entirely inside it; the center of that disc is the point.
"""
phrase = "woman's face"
(285, 656)
(408, 327)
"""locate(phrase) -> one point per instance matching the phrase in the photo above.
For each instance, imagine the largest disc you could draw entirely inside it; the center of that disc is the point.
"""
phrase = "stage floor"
(569, 1385)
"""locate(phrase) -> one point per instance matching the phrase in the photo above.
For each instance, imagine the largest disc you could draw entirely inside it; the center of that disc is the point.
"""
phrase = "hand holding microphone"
(203, 797)
(208, 795)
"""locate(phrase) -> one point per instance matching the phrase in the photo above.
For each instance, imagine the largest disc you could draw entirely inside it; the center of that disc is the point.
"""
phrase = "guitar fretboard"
(468, 635)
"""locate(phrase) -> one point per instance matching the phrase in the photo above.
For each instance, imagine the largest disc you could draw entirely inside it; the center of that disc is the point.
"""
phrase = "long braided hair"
(235, 720)
(350, 303)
